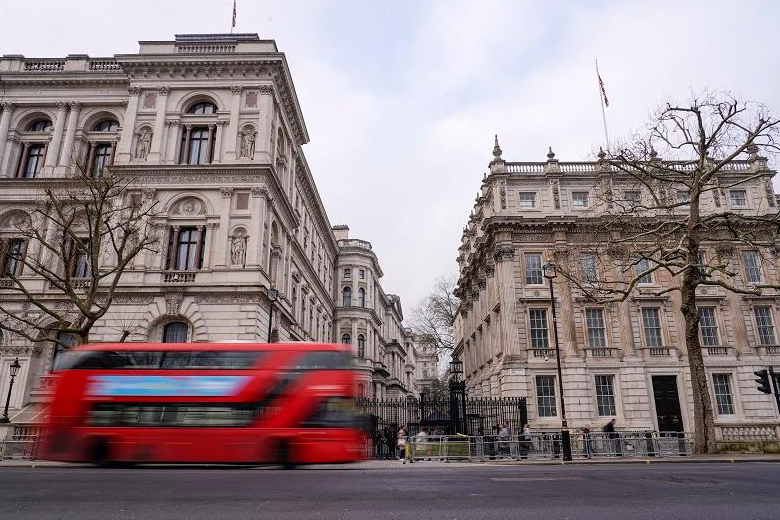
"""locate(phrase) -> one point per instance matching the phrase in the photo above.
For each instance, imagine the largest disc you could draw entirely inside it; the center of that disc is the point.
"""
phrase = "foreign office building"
(624, 360)
(210, 127)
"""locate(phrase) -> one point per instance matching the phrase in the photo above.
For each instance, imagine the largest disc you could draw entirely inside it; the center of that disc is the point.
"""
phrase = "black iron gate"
(383, 418)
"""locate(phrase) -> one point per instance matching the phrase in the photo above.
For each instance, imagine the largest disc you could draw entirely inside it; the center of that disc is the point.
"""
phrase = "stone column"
(124, 153)
(155, 150)
(174, 252)
(185, 158)
(232, 129)
(255, 242)
(265, 103)
(5, 124)
(20, 168)
(208, 143)
(56, 138)
(224, 223)
(199, 247)
(626, 329)
(504, 257)
(741, 341)
(172, 142)
(565, 316)
(66, 157)
(353, 340)
(218, 142)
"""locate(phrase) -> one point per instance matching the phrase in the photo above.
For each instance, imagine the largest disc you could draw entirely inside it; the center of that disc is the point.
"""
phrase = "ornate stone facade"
(216, 138)
(618, 359)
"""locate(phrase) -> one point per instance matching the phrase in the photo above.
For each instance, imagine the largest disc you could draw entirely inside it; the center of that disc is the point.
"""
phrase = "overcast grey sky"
(402, 98)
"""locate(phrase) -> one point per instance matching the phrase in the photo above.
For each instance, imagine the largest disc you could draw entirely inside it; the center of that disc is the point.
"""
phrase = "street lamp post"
(550, 273)
(273, 295)
(458, 397)
(13, 369)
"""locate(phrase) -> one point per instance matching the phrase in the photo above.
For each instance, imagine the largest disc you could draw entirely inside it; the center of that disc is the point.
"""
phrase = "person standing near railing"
(525, 441)
(401, 444)
(614, 438)
(586, 447)
(503, 439)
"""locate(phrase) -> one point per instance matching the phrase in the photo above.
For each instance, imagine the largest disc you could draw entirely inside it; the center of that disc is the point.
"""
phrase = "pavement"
(382, 490)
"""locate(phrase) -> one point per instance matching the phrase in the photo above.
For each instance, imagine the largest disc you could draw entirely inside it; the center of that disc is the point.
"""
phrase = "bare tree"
(671, 219)
(434, 315)
(77, 240)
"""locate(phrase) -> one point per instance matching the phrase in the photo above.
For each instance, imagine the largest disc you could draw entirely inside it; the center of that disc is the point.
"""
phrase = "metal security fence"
(547, 446)
(439, 417)
(20, 443)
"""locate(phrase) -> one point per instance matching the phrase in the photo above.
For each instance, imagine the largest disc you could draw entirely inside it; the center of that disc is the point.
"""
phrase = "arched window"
(346, 297)
(346, 339)
(106, 125)
(202, 107)
(361, 390)
(175, 332)
(361, 346)
(39, 125)
(361, 297)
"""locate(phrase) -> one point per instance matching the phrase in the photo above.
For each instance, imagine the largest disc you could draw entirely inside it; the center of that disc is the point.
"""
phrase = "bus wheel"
(99, 453)
(283, 455)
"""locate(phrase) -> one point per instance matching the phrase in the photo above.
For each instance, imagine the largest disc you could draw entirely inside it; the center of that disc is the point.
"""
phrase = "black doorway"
(667, 404)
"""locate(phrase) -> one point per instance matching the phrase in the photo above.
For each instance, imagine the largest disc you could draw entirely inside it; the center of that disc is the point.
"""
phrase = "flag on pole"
(234, 13)
(601, 84)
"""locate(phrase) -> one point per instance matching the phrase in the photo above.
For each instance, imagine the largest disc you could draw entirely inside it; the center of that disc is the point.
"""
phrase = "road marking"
(531, 479)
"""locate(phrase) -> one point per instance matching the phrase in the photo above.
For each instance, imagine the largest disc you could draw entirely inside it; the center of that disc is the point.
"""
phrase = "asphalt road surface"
(749, 491)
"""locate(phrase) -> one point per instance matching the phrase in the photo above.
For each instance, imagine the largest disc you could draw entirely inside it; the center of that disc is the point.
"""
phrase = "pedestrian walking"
(401, 444)
(525, 441)
(614, 438)
(503, 439)
(587, 449)
(421, 439)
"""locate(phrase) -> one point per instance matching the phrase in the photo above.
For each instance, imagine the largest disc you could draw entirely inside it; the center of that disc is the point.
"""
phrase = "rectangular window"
(242, 201)
(683, 196)
(738, 198)
(723, 398)
(187, 249)
(605, 395)
(765, 324)
(526, 200)
(533, 269)
(701, 257)
(538, 328)
(641, 268)
(14, 256)
(80, 265)
(579, 199)
(545, 396)
(589, 268)
(651, 321)
(347, 272)
(594, 321)
(708, 326)
(752, 262)
(633, 198)
(362, 274)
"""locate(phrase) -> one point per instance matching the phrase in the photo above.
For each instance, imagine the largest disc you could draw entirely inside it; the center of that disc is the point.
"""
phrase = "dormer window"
(106, 125)
(203, 107)
(40, 125)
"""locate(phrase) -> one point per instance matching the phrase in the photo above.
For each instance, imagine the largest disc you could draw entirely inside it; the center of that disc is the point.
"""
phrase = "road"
(687, 491)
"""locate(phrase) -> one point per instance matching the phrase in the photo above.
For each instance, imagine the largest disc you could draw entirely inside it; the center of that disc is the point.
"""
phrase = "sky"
(402, 99)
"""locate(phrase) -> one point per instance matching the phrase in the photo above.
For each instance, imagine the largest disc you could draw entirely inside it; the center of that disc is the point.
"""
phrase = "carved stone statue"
(247, 144)
(144, 144)
(238, 250)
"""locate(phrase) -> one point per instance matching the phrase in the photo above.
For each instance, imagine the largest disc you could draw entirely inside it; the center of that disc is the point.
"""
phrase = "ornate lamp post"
(273, 295)
(550, 272)
(13, 370)
(458, 397)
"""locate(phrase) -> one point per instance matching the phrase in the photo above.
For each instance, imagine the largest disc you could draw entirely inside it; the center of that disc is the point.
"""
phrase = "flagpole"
(603, 112)
(233, 22)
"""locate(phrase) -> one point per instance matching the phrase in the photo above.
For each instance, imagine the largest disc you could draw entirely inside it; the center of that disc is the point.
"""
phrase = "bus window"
(209, 360)
(323, 361)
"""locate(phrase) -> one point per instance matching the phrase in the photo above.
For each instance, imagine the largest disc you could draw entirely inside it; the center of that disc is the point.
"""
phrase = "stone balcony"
(15, 63)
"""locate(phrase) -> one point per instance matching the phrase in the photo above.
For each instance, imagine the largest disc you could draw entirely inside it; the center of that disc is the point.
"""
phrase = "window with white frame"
(594, 323)
(723, 399)
(633, 198)
(738, 198)
(752, 262)
(347, 272)
(545, 396)
(533, 269)
(605, 395)
(580, 199)
(642, 269)
(683, 196)
(651, 323)
(538, 328)
(526, 200)
(589, 268)
(708, 326)
(765, 324)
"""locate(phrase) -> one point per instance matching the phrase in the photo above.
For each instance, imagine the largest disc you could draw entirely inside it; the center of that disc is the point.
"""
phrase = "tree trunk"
(703, 421)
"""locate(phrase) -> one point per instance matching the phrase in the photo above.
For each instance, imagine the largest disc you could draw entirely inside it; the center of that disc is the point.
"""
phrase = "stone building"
(622, 360)
(210, 127)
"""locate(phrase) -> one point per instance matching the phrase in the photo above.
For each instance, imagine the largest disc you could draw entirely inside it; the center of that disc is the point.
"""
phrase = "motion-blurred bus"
(204, 403)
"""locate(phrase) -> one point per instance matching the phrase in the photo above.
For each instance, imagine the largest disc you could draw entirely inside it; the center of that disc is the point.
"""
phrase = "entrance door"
(667, 404)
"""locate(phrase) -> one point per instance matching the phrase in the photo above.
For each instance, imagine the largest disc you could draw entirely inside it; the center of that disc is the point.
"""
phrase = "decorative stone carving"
(150, 193)
(770, 193)
(238, 248)
(144, 144)
(134, 90)
(6, 106)
(247, 143)
(716, 197)
(173, 303)
(227, 192)
(189, 206)
(228, 299)
(556, 193)
(502, 195)
(132, 299)
(164, 91)
(503, 253)
(236, 89)
(266, 89)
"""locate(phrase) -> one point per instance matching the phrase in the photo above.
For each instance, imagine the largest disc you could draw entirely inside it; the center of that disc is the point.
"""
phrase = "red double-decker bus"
(204, 403)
